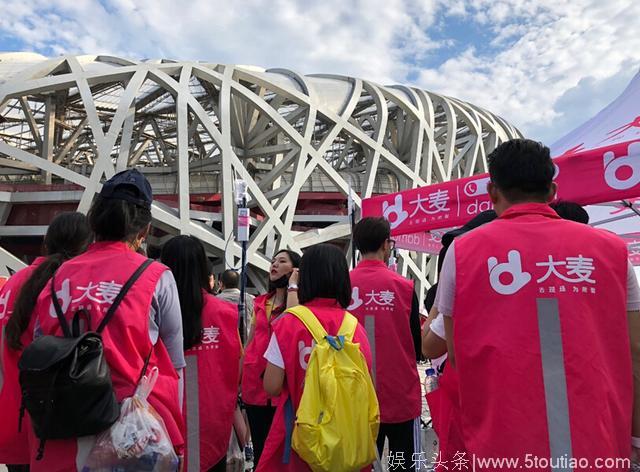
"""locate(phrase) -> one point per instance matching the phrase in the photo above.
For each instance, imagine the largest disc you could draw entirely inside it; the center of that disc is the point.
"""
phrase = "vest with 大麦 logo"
(92, 281)
(381, 300)
(541, 339)
(211, 385)
(14, 445)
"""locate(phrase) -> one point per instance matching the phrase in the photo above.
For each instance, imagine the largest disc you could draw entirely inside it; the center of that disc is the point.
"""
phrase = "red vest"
(381, 300)
(211, 385)
(92, 280)
(254, 363)
(541, 340)
(14, 445)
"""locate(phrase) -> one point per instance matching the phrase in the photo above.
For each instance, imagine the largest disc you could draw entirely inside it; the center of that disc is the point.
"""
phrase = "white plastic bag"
(138, 441)
(235, 455)
(430, 447)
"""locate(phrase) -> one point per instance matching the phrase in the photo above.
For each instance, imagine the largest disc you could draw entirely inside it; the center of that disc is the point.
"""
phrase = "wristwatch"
(292, 288)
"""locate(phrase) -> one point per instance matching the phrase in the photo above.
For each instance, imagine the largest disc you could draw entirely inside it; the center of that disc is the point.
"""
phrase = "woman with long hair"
(282, 294)
(146, 329)
(67, 236)
(325, 289)
(212, 351)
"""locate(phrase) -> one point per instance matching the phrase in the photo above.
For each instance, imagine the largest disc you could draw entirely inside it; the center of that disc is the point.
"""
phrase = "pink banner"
(585, 177)
(420, 242)
(633, 243)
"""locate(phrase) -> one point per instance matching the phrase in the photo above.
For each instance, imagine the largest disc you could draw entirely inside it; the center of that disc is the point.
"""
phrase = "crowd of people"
(534, 328)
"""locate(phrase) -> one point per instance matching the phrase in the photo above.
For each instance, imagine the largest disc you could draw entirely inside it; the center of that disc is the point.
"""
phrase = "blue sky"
(544, 65)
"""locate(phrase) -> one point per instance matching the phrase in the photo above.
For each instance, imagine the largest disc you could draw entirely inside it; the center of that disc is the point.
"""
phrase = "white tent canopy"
(619, 122)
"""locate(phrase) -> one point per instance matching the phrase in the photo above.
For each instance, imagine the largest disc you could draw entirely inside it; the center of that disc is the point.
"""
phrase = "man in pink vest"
(541, 320)
(386, 305)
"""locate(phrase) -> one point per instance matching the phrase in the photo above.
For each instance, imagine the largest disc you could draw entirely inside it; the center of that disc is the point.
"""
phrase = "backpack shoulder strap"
(123, 291)
(348, 326)
(310, 321)
(56, 304)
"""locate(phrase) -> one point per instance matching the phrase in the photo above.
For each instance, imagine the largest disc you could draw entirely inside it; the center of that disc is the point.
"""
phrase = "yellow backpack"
(337, 421)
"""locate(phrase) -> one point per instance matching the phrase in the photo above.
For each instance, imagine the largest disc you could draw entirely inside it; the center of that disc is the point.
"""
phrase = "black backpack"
(66, 382)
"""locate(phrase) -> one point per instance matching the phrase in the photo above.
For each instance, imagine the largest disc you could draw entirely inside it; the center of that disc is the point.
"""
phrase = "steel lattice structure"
(68, 123)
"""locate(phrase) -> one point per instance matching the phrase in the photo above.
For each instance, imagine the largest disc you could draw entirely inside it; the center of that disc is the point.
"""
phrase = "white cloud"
(545, 66)
(578, 48)
(371, 39)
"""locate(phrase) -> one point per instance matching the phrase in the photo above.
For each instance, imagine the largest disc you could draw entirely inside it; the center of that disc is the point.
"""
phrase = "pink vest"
(381, 300)
(541, 339)
(92, 280)
(295, 344)
(211, 385)
(14, 445)
(254, 363)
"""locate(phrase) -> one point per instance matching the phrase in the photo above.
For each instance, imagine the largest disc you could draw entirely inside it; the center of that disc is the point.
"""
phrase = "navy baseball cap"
(129, 185)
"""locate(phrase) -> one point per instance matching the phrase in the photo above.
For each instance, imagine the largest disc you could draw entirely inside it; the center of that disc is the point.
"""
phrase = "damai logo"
(507, 278)
(622, 173)
(398, 212)
(476, 187)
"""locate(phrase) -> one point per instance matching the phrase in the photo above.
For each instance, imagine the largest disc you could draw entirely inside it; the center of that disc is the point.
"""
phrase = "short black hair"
(230, 278)
(324, 274)
(370, 234)
(570, 211)
(522, 169)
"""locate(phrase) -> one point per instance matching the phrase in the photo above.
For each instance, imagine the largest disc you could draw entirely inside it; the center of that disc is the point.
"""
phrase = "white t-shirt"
(437, 326)
(273, 354)
(447, 285)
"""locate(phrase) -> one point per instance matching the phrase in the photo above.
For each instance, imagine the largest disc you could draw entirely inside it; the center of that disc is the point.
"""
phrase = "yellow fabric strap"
(310, 321)
(348, 326)
(304, 314)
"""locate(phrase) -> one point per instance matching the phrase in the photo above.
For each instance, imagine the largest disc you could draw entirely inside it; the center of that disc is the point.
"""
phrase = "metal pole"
(242, 236)
(352, 222)
(352, 218)
(630, 206)
(242, 307)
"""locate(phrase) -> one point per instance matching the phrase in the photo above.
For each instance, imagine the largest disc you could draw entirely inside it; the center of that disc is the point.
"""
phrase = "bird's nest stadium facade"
(300, 142)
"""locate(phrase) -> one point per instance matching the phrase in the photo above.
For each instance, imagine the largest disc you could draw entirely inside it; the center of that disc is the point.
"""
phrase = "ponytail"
(27, 299)
(68, 235)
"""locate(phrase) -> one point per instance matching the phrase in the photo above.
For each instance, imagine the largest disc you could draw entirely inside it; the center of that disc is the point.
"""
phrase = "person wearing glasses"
(386, 305)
